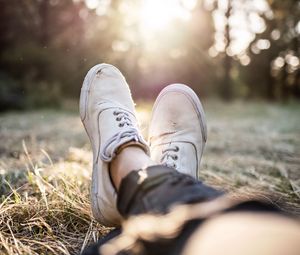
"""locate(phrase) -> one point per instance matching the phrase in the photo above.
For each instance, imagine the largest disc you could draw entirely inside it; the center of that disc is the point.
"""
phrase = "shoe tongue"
(126, 135)
(186, 161)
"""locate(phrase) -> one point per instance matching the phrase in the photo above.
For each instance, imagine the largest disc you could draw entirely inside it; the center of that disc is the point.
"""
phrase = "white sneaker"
(177, 132)
(108, 115)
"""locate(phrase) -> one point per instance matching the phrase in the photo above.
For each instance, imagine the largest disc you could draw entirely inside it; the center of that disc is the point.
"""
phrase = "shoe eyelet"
(175, 157)
(115, 113)
(118, 119)
(121, 125)
(176, 148)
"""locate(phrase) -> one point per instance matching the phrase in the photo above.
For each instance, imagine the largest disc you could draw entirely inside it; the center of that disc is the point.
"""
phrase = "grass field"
(45, 169)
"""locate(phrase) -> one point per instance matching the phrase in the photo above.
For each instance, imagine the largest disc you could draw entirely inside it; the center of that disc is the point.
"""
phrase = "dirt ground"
(251, 147)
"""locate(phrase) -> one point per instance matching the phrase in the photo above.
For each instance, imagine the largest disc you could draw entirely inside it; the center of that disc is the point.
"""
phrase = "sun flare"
(157, 15)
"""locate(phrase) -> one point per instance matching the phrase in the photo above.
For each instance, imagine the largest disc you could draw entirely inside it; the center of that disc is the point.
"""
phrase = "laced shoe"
(177, 132)
(108, 115)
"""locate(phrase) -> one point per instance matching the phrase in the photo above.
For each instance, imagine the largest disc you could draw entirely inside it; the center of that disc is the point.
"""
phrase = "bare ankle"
(130, 158)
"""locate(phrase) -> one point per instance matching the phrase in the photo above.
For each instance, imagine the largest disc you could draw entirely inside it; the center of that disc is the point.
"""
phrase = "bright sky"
(157, 15)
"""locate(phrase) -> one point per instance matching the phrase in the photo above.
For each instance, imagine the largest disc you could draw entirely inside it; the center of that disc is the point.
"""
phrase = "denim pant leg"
(157, 188)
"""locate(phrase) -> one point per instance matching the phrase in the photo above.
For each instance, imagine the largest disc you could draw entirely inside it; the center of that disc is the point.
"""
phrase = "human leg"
(247, 233)
(130, 159)
(108, 114)
(154, 190)
(177, 136)
(237, 227)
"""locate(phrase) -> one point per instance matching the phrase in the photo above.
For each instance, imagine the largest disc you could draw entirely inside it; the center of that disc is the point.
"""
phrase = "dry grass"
(49, 212)
(45, 163)
(255, 147)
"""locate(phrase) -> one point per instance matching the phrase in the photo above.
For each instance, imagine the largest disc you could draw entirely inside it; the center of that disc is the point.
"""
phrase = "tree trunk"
(44, 26)
(227, 64)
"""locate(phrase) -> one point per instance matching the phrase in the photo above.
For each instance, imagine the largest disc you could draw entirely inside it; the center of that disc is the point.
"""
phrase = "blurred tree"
(287, 18)
(199, 38)
(275, 54)
(225, 47)
(262, 52)
(226, 88)
(40, 41)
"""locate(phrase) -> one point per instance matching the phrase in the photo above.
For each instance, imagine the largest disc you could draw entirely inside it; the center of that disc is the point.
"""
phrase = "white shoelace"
(128, 134)
(169, 156)
(123, 118)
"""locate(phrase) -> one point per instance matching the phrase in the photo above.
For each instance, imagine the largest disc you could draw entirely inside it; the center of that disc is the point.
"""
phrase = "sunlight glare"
(157, 15)
(92, 4)
(189, 4)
